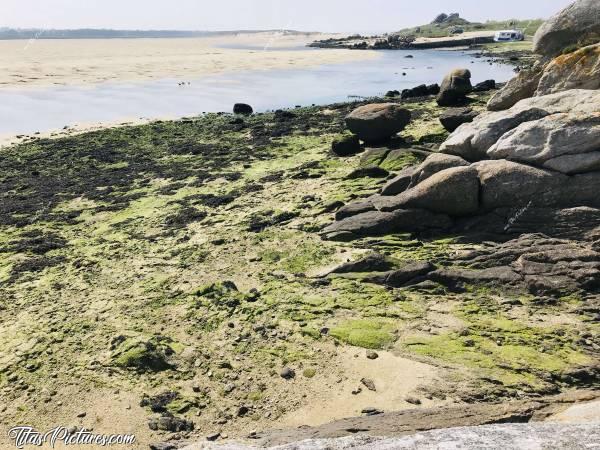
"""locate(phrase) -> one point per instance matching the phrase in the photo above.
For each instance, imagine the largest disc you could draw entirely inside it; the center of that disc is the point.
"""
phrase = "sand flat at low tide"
(88, 61)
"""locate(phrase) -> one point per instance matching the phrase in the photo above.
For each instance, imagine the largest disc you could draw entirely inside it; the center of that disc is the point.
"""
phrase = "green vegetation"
(184, 256)
(432, 30)
(366, 333)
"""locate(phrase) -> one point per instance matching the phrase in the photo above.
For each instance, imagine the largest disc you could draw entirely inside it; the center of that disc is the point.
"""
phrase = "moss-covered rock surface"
(184, 257)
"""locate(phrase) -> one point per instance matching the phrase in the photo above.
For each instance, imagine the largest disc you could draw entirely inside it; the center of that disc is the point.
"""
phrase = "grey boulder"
(472, 140)
(523, 86)
(433, 164)
(577, 24)
(375, 223)
(454, 192)
(455, 87)
(577, 70)
(510, 184)
(558, 141)
(377, 122)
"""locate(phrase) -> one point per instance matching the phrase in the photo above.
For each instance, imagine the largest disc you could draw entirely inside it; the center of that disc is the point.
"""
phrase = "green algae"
(365, 333)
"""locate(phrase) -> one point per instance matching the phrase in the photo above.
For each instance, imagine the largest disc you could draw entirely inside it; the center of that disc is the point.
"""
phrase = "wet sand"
(39, 63)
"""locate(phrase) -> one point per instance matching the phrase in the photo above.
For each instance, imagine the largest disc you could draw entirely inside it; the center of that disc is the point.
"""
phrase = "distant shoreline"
(9, 34)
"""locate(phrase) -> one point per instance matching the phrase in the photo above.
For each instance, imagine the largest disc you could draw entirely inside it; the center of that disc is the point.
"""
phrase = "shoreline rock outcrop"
(543, 153)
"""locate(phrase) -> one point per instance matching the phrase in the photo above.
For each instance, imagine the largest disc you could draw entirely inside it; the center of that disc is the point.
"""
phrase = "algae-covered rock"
(576, 70)
(378, 122)
(144, 355)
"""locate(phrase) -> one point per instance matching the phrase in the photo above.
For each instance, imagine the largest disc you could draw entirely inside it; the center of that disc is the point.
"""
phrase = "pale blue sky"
(313, 15)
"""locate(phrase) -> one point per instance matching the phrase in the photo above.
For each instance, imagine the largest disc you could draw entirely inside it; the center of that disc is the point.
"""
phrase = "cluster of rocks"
(542, 153)
(540, 156)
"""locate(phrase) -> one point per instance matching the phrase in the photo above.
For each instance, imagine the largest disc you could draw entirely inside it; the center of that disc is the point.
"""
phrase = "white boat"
(509, 36)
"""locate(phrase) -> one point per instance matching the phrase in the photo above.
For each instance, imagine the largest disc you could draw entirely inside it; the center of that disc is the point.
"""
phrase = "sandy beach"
(39, 63)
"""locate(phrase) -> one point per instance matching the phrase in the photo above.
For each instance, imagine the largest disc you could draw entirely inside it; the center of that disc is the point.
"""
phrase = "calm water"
(31, 110)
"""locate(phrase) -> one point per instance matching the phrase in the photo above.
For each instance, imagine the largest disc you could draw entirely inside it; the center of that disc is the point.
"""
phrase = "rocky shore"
(209, 278)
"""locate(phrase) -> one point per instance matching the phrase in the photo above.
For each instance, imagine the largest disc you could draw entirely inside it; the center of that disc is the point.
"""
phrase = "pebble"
(287, 373)
(369, 384)
(413, 400)
(213, 437)
(372, 355)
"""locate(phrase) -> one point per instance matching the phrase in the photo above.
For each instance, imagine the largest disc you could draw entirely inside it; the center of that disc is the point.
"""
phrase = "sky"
(306, 15)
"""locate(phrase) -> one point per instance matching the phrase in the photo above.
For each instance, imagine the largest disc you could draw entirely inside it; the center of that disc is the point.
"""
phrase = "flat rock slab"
(489, 437)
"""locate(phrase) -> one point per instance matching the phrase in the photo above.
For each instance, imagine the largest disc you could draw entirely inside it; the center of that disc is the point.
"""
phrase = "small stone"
(370, 411)
(357, 391)
(242, 411)
(213, 437)
(287, 373)
(369, 384)
(372, 355)
(413, 400)
(82, 414)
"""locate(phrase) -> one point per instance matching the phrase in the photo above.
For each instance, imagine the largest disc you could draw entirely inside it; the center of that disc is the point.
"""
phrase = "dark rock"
(400, 277)
(163, 446)
(378, 122)
(242, 108)
(374, 223)
(452, 118)
(486, 85)
(455, 87)
(495, 275)
(369, 171)
(370, 411)
(170, 423)
(399, 183)
(242, 411)
(418, 91)
(372, 355)
(287, 373)
(352, 209)
(433, 89)
(392, 94)
(412, 400)
(345, 145)
(371, 263)
(213, 437)
(369, 384)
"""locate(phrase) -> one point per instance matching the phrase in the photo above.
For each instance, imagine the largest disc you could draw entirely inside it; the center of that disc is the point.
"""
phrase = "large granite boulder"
(568, 143)
(510, 184)
(433, 164)
(577, 24)
(472, 140)
(377, 122)
(577, 70)
(523, 86)
(455, 87)
(454, 192)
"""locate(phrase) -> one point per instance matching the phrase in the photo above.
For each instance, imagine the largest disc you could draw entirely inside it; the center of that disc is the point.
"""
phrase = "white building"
(509, 36)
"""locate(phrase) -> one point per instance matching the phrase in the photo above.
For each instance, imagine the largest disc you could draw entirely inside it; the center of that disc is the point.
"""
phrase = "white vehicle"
(509, 36)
